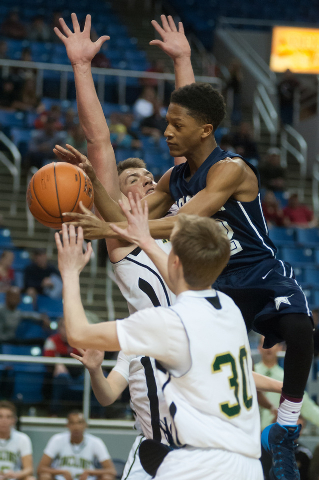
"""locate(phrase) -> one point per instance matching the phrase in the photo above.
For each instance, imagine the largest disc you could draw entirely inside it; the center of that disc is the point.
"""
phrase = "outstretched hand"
(71, 259)
(73, 156)
(90, 224)
(174, 42)
(137, 230)
(79, 46)
(91, 359)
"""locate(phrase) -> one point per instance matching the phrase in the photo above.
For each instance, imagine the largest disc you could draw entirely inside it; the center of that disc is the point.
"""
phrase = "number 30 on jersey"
(223, 359)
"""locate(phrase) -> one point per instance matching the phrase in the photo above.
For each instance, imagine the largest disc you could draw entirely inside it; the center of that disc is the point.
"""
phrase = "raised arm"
(175, 44)
(81, 50)
(106, 390)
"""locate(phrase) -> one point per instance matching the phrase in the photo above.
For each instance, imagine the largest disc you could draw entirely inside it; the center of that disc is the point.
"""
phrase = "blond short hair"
(130, 163)
(202, 247)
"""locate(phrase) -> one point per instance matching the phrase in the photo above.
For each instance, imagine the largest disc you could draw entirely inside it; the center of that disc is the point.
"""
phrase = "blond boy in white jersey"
(198, 419)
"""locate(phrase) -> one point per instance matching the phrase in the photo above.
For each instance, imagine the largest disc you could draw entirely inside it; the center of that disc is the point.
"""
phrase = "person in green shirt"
(269, 367)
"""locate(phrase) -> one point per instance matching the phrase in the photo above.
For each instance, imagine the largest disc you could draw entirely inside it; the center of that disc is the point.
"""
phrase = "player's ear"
(208, 129)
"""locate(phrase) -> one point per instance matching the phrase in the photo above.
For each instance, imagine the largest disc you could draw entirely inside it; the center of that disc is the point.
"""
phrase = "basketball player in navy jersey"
(225, 186)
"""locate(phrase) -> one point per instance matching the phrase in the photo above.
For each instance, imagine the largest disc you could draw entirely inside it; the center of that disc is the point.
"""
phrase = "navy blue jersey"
(244, 222)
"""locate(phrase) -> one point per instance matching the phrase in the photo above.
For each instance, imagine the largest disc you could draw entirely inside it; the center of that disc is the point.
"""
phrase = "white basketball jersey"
(13, 449)
(140, 282)
(147, 400)
(214, 404)
(75, 458)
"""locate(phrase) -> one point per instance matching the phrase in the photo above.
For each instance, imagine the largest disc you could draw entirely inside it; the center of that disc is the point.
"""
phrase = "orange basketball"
(57, 188)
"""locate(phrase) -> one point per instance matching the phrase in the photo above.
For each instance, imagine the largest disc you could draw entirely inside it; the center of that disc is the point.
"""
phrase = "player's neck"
(5, 434)
(77, 440)
(270, 363)
(196, 158)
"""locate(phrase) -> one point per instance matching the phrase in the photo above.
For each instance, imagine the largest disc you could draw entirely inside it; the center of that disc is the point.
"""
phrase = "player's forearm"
(25, 472)
(267, 384)
(105, 473)
(53, 471)
(101, 388)
(90, 110)
(80, 333)
(184, 74)
(109, 210)
(159, 258)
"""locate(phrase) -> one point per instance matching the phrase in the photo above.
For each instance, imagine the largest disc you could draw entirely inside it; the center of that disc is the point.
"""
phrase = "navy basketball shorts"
(263, 291)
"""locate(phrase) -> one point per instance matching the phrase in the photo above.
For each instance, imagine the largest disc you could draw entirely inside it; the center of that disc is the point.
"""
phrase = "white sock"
(288, 412)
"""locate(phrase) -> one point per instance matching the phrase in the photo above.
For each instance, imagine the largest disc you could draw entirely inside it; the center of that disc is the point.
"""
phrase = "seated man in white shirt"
(76, 455)
(200, 343)
(15, 447)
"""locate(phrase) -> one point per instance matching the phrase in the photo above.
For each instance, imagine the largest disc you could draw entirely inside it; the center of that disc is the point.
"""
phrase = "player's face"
(7, 420)
(183, 132)
(76, 425)
(137, 180)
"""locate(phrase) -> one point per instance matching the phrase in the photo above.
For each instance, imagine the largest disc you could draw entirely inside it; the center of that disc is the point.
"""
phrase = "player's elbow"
(76, 338)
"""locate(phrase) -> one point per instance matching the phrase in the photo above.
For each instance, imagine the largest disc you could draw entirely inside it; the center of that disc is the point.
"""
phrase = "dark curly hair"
(202, 101)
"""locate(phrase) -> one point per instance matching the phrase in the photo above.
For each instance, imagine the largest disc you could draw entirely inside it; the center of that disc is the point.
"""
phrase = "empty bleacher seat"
(27, 377)
(308, 236)
(298, 256)
(311, 277)
(5, 239)
(21, 259)
(53, 308)
(26, 304)
(12, 119)
(282, 236)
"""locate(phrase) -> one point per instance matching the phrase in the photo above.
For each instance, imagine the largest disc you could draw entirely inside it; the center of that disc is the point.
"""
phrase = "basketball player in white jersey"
(76, 455)
(201, 345)
(15, 447)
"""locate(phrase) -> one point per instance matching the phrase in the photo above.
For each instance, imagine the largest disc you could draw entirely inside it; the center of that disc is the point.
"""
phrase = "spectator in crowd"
(273, 213)
(39, 31)
(75, 454)
(55, 23)
(27, 98)
(15, 447)
(42, 144)
(233, 90)
(6, 270)
(21, 74)
(129, 121)
(42, 277)
(244, 143)
(100, 60)
(313, 473)
(269, 366)
(303, 454)
(13, 27)
(63, 378)
(157, 66)
(120, 137)
(3, 49)
(8, 93)
(272, 174)
(54, 112)
(69, 119)
(226, 143)
(76, 139)
(144, 105)
(155, 125)
(286, 92)
(11, 316)
(298, 215)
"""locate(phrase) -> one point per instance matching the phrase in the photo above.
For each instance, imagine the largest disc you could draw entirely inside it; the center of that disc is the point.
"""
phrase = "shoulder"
(163, 183)
(93, 439)
(20, 436)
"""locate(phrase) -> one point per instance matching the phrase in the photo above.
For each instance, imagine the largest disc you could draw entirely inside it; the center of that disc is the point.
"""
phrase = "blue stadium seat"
(12, 119)
(2, 298)
(308, 236)
(315, 298)
(21, 138)
(282, 236)
(300, 274)
(53, 308)
(29, 329)
(21, 259)
(298, 256)
(5, 239)
(311, 277)
(26, 304)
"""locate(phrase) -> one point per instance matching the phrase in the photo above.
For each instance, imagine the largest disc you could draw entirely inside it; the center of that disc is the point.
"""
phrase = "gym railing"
(312, 385)
(122, 76)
